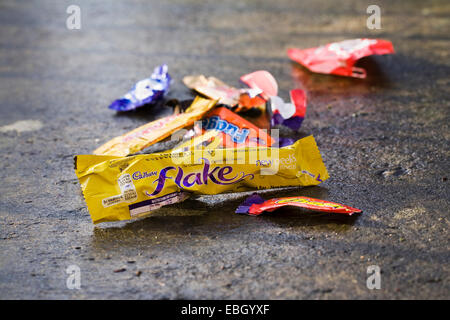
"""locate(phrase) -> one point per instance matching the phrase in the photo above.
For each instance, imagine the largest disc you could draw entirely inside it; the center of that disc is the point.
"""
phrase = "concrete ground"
(384, 140)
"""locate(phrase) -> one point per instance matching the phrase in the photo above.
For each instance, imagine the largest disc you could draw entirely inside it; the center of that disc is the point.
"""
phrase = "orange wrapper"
(155, 131)
(235, 130)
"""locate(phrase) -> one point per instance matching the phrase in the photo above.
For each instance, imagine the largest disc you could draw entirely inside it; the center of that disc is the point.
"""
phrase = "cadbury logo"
(141, 175)
(218, 175)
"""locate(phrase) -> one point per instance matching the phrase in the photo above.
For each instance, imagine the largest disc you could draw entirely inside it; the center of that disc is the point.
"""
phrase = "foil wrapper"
(145, 91)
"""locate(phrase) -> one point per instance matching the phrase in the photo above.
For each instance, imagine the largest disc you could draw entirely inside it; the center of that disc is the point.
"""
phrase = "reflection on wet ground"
(384, 140)
(210, 216)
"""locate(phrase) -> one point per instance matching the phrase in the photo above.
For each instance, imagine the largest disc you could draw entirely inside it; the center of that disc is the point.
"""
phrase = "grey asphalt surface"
(384, 140)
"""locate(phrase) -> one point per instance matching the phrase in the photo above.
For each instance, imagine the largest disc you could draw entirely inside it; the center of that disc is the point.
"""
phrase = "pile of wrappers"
(224, 144)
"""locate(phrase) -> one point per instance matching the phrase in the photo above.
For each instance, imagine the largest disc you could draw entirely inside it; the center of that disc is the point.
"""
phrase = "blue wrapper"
(145, 91)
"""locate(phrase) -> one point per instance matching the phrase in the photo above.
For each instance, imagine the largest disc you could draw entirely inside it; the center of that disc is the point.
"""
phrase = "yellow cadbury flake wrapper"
(155, 131)
(121, 188)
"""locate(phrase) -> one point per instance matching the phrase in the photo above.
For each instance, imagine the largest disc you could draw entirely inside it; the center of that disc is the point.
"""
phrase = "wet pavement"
(384, 141)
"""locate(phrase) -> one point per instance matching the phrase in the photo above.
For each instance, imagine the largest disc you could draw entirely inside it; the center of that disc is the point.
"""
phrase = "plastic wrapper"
(284, 142)
(122, 188)
(250, 100)
(290, 114)
(155, 131)
(263, 81)
(236, 131)
(145, 91)
(213, 139)
(213, 88)
(256, 205)
(339, 57)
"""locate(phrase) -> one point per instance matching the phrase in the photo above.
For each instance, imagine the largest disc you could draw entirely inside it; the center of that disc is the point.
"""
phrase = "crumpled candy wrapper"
(255, 205)
(261, 80)
(213, 88)
(339, 57)
(123, 188)
(236, 131)
(155, 131)
(290, 114)
(145, 91)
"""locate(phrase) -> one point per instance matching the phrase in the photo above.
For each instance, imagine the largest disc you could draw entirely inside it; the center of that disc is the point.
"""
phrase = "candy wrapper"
(284, 142)
(236, 131)
(256, 205)
(261, 80)
(290, 114)
(339, 57)
(155, 131)
(145, 91)
(250, 100)
(213, 88)
(122, 188)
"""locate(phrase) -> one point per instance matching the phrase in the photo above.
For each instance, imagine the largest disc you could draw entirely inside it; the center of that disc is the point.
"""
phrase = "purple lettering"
(161, 181)
(197, 179)
(200, 178)
(223, 172)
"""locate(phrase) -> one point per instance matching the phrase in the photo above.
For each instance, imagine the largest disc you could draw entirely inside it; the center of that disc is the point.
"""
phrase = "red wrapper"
(339, 57)
(262, 80)
(290, 114)
(255, 205)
